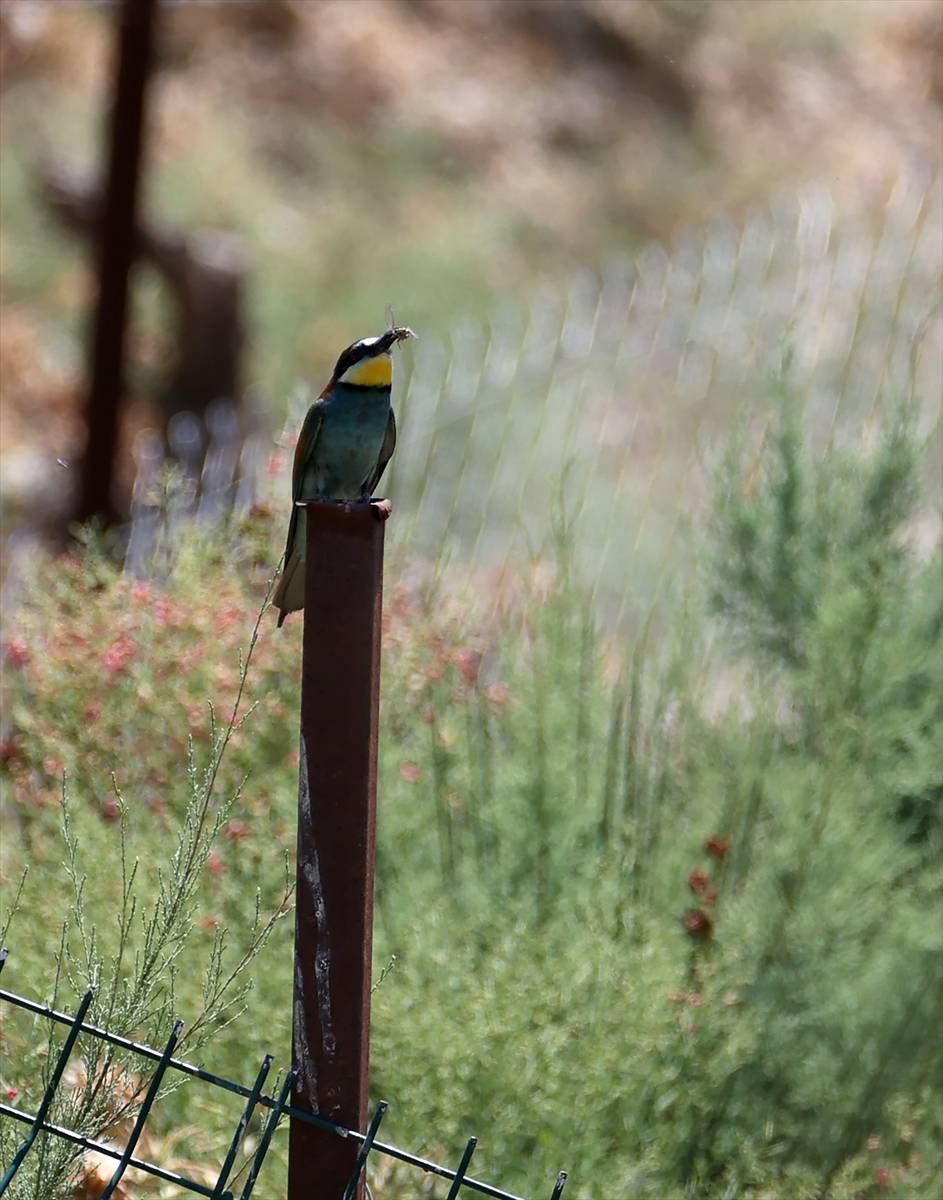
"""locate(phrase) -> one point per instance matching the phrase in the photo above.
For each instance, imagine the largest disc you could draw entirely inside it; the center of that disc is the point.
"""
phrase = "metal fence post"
(336, 840)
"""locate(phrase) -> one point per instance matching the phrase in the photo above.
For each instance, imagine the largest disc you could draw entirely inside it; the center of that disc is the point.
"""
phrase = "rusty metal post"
(116, 251)
(340, 690)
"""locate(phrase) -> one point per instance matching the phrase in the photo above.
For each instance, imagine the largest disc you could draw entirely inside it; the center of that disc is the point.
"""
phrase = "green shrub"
(664, 915)
(815, 578)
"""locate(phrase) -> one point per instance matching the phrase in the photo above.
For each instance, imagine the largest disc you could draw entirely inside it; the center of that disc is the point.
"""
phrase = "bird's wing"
(284, 596)
(386, 453)
(305, 447)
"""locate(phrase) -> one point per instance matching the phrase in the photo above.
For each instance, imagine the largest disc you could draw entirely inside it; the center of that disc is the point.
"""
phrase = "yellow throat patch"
(370, 372)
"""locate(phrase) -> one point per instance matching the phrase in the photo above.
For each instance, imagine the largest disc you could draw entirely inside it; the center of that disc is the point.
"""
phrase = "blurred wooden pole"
(116, 250)
(205, 272)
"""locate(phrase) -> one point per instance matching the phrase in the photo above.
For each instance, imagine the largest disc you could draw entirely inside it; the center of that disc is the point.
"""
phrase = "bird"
(348, 437)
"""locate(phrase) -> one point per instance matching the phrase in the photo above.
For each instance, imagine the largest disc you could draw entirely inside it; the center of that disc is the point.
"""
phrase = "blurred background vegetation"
(661, 762)
(433, 155)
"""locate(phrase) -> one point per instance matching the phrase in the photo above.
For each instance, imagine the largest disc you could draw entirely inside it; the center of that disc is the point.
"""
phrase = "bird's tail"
(289, 594)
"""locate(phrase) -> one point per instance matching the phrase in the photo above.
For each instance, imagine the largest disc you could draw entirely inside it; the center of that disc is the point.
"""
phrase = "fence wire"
(621, 384)
(255, 1097)
(606, 395)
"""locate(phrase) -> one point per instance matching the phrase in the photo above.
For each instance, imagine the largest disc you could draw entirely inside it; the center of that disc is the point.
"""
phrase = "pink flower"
(17, 653)
(215, 864)
(469, 663)
(228, 616)
(234, 830)
(276, 464)
(410, 772)
(198, 720)
(52, 767)
(141, 592)
(165, 613)
(12, 1093)
(120, 653)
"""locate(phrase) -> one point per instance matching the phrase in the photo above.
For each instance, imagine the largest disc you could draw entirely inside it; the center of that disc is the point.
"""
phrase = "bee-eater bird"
(347, 438)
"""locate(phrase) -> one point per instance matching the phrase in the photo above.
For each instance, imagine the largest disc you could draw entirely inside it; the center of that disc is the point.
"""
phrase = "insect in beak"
(399, 333)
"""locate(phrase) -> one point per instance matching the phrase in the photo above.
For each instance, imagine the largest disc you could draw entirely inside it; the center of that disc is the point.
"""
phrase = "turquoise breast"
(354, 422)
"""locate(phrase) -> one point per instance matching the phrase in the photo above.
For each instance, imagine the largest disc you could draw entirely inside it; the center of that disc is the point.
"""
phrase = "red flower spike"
(717, 846)
(698, 924)
(700, 884)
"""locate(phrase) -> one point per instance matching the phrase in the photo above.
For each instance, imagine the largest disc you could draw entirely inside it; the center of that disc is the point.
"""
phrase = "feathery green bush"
(665, 910)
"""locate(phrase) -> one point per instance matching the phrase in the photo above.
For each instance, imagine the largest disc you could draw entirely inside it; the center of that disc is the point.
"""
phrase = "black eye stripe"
(354, 354)
(347, 359)
(381, 345)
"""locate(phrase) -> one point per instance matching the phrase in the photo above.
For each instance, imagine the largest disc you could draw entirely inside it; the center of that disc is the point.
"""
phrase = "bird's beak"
(400, 333)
